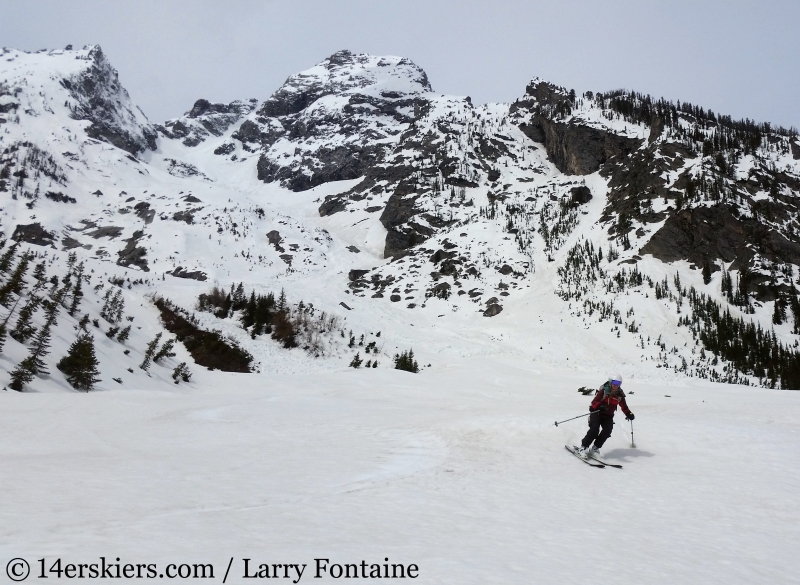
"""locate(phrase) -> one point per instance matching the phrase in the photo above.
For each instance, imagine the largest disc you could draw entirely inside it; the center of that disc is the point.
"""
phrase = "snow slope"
(459, 471)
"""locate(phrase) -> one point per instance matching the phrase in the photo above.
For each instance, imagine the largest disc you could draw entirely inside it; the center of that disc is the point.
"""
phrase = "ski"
(572, 450)
(605, 463)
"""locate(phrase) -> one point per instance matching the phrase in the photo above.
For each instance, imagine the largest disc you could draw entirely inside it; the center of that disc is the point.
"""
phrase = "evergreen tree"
(124, 334)
(237, 299)
(150, 352)
(71, 259)
(77, 292)
(405, 361)
(24, 328)
(779, 312)
(356, 362)
(54, 286)
(77, 295)
(8, 258)
(39, 272)
(34, 364)
(3, 332)
(706, 272)
(22, 375)
(165, 351)
(795, 306)
(776, 313)
(84, 322)
(80, 363)
(113, 307)
(15, 283)
(249, 313)
(181, 372)
(40, 348)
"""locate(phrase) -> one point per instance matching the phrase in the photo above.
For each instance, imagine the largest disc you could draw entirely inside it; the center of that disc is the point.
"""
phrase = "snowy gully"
(324, 568)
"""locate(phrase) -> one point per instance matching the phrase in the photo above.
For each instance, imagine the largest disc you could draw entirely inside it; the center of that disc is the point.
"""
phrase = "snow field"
(459, 470)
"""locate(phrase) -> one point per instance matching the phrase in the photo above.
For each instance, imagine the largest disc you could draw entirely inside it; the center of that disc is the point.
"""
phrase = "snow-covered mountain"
(589, 231)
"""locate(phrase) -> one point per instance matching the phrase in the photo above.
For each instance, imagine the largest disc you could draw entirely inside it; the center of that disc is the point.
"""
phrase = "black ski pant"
(597, 422)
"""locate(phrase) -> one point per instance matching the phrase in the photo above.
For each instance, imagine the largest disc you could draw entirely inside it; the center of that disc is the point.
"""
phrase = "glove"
(594, 409)
(630, 416)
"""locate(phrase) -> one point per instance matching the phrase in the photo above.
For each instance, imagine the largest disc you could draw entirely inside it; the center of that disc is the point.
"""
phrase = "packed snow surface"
(459, 470)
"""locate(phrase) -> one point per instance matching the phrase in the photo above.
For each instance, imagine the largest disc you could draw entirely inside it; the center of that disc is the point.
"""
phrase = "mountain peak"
(346, 72)
(86, 84)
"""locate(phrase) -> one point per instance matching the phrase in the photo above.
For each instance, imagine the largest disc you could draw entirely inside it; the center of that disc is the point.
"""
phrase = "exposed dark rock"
(144, 212)
(492, 310)
(441, 290)
(337, 164)
(354, 250)
(580, 195)
(202, 107)
(247, 132)
(225, 148)
(110, 231)
(287, 258)
(33, 233)
(440, 255)
(343, 304)
(354, 275)
(183, 169)
(795, 149)
(395, 298)
(185, 216)
(716, 232)
(506, 269)
(574, 149)
(399, 209)
(180, 272)
(69, 243)
(133, 255)
(274, 238)
(332, 204)
(100, 98)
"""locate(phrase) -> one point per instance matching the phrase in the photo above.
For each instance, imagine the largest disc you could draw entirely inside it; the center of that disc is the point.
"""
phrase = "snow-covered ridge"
(361, 191)
(33, 85)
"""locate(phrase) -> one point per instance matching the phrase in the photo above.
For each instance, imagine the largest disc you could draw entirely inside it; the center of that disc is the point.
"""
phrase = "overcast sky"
(735, 57)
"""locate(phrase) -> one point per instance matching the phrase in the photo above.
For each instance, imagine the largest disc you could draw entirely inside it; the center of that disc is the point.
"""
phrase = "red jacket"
(607, 403)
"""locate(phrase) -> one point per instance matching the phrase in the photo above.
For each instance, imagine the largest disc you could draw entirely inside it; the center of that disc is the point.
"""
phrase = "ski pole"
(573, 418)
(633, 445)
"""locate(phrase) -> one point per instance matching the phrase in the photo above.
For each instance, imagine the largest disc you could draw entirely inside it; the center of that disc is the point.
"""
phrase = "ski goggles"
(616, 382)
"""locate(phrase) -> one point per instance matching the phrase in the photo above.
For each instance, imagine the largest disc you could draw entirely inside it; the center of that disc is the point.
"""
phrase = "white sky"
(735, 57)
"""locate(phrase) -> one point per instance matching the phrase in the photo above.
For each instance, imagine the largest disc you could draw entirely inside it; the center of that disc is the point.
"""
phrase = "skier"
(602, 411)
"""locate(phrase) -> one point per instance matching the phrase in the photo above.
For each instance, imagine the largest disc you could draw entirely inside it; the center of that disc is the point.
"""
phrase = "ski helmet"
(615, 378)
